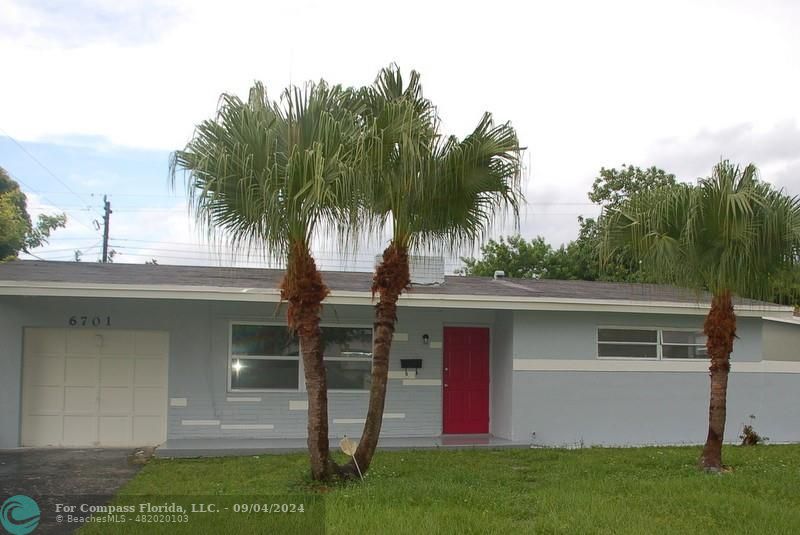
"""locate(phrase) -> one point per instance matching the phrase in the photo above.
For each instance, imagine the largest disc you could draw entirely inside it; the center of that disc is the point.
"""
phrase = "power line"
(524, 208)
(148, 195)
(29, 188)
(195, 247)
(38, 257)
(267, 265)
(325, 259)
(43, 166)
(74, 250)
(198, 249)
(233, 257)
(48, 251)
(113, 195)
(204, 249)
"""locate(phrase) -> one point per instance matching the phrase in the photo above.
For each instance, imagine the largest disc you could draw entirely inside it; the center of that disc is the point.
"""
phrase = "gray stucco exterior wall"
(11, 377)
(560, 407)
(198, 365)
(502, 374)
(781, 341)
(604, 408)
(572, 408)
(573, 335)
(184, 320)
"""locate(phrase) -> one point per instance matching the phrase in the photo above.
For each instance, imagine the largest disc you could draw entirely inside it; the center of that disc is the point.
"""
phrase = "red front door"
(466, 380)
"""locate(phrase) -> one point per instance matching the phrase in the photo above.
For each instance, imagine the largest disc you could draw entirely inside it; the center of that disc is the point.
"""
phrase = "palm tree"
(266, 175)
(728, 235)
(433, 192)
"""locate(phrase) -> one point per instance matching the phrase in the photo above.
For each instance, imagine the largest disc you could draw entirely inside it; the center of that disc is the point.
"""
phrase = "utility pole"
(106, 219)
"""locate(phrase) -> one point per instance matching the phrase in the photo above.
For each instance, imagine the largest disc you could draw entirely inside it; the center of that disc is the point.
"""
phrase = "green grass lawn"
(626, 490)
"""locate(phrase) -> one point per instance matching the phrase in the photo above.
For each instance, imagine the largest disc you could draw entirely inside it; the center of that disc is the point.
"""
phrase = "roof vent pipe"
(499, 274)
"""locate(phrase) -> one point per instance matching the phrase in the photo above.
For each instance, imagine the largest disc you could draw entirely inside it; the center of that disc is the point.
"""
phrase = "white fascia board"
(138, 291)
(791, 320)
(217, 293)
(569, 304)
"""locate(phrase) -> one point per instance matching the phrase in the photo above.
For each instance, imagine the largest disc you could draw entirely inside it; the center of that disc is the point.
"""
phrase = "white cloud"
(773, 148)
(45, 24)
(587, 84)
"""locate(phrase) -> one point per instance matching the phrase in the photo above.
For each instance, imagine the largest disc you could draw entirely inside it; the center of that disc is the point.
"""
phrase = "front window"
(627, 343)
(264, 357)
(683, 345)
(650, 343)
(267, 357)
(348, 357)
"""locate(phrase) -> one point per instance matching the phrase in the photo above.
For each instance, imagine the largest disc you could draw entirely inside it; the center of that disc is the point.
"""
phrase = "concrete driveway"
(48, 474)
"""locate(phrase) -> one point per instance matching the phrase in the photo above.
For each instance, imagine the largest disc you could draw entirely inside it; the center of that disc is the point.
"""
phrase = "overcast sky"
(95, 95)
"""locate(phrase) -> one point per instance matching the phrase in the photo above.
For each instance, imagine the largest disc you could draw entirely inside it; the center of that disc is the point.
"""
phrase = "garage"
(94, 387)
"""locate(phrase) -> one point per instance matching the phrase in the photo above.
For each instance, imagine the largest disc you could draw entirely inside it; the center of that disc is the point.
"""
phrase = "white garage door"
(86, 387)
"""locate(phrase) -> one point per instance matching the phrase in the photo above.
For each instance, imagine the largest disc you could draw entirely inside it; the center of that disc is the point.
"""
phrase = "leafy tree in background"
(514, 255)
(17, 232)
(612, 187)
(580, 258)
(730, 235)
(786, 287)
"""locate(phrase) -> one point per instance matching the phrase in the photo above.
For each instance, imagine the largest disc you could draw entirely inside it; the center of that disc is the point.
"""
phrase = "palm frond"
(731, 232)
(435, 191)
(264, 174)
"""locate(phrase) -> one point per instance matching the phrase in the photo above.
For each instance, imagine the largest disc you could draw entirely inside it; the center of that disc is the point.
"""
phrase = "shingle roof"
(230, 277)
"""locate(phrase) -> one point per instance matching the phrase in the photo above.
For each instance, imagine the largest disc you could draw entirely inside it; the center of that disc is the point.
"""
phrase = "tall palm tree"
(433, 192)
(266, 175)
(728, 235)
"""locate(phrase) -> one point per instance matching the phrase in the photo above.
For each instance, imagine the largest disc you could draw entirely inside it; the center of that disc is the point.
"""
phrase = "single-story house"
(134, 355)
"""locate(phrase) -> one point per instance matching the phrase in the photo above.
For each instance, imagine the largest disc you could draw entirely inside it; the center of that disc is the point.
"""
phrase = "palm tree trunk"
(392, 277)
(303, 289)
(720, 331)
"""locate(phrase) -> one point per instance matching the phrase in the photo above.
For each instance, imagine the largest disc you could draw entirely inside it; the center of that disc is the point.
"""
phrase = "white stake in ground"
(348, 447)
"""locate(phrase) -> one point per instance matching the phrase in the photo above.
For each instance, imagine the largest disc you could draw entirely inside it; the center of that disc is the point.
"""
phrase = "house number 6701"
(89, 321)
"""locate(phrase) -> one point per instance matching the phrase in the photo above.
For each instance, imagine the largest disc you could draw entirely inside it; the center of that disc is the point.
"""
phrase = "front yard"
(626, 490)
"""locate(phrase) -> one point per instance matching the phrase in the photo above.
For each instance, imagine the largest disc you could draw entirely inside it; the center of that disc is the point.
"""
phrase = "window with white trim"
(683, 344)
(650, 343)
(264, 357)
(267, 357)
(627, 343)
(348, 357)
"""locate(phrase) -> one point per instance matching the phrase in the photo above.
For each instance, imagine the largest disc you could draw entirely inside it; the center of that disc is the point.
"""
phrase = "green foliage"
(580, 258)
(514, 255)
(437, 191)
(17, 231)
(13, 228)
(786, 286)
(612, 186)
(731, 232)
(537, 259)
(266, 174)
(45, 224)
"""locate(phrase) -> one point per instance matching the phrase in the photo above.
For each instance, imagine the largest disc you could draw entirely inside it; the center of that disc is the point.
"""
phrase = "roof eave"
(412, 299)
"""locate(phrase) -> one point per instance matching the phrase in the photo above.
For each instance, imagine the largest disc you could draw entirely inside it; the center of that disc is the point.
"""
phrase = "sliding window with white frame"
(348, 357)
(683, 344)
(650, 343)
(266, 357)
(263, 357)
